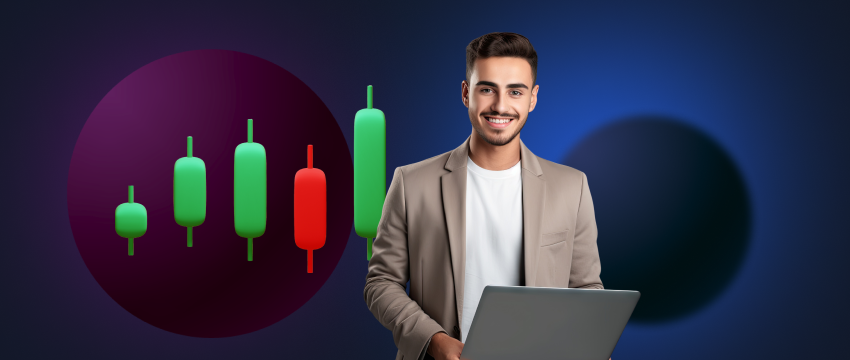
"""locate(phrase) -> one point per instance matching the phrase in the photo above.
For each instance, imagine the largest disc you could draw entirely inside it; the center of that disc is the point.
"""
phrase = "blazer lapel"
(454, 206)
(533, 197)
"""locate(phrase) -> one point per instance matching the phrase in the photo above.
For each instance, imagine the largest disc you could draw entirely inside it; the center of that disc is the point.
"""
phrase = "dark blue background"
(769, 82)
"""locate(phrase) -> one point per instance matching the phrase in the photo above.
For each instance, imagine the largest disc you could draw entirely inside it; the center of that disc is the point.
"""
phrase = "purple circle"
(135, 135)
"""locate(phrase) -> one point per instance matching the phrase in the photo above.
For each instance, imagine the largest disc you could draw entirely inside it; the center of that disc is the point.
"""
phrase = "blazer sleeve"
(389, 272)
(585, 263)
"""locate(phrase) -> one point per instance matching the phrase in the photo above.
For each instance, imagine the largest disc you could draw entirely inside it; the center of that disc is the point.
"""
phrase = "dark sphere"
(672, 210)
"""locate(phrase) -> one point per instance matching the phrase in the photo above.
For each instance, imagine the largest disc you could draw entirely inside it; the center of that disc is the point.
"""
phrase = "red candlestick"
(310, 208)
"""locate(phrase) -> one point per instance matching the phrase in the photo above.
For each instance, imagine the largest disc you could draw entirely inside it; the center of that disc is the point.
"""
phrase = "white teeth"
(498, 121)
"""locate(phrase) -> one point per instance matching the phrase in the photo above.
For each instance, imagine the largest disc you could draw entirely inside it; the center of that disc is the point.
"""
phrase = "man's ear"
(464, 93)
(533, 98)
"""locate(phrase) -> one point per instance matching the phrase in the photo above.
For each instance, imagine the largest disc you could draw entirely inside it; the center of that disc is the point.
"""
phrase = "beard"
(499, 138)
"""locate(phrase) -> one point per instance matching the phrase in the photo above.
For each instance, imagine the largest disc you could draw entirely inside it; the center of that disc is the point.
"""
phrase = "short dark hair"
(501, 44)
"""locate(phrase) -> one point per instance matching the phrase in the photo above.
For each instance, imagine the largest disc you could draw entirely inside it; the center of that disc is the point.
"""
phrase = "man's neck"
(492, 157)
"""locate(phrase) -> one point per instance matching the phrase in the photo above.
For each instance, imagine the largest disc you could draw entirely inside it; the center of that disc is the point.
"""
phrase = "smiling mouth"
(498, 122)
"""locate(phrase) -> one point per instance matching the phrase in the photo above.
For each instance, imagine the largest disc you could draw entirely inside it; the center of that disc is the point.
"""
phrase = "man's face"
(499, 96)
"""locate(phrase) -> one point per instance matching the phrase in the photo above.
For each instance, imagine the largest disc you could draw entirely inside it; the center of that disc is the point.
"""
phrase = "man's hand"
(444, 347)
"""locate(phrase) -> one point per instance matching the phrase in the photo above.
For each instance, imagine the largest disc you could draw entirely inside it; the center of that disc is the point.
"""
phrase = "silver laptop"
(519, 322)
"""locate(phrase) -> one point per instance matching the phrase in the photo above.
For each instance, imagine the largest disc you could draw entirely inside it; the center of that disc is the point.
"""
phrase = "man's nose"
(500, 106)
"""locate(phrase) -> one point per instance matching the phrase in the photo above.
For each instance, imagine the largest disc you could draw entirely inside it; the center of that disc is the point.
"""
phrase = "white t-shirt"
(493, 233)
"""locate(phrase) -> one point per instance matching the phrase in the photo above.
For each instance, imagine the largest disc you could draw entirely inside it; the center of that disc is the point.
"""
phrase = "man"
(489, 212)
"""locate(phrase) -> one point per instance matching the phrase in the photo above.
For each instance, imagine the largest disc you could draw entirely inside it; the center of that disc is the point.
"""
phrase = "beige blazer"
(422, 238)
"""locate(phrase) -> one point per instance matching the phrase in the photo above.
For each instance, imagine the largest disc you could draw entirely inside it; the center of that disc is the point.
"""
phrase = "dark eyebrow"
(510, 86)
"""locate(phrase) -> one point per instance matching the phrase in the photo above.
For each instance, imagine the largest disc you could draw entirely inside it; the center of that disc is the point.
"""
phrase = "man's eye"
(485, 90)
(515, 92)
